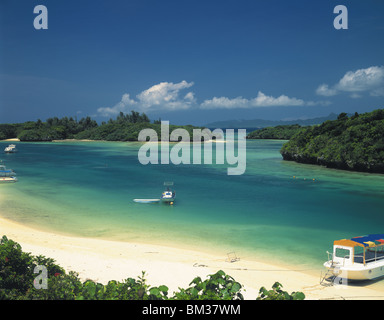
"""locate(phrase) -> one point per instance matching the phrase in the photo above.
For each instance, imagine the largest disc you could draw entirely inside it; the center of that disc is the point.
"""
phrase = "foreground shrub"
(218, 286)
(17, 283)
(278, 294)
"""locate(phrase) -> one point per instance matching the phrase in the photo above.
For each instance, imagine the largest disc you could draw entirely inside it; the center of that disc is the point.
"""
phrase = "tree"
(342, 116)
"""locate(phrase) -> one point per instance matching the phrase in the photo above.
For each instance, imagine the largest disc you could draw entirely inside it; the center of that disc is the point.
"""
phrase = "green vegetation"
(17, 283)
(278, 294)
(282, 132)
(349, 143)
(9, 131)
(126, 127)
(55, 129)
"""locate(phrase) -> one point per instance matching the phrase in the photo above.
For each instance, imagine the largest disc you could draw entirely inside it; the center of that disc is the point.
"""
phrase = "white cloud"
(166, 96)
(267, 101)
(225, 103)
(125, 105)
(363, 80)
(261, 100)
(324, 90)
(162, 96)
(190, 96)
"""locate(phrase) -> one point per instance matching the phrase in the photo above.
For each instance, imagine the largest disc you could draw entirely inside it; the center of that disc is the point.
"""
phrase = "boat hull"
(8, 179)
(369, 271)
(10, 149)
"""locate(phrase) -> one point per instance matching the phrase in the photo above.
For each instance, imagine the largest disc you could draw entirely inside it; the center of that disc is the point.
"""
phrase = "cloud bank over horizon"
(261, 100)
(168, 96)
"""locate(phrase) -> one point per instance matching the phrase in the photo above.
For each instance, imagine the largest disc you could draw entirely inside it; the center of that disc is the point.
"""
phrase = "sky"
(190, 62)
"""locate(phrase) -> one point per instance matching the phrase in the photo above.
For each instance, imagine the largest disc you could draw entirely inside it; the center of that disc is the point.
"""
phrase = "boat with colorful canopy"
(358, 258)
(7, 175)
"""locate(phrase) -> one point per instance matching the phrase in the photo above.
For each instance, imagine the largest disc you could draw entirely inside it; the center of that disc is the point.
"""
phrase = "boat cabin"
(358, 250)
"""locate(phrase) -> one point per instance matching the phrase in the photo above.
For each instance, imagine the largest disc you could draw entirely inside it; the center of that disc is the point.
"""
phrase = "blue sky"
(190, 61)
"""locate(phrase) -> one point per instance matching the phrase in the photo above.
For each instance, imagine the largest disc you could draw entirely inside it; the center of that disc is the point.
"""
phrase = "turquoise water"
(280, 211)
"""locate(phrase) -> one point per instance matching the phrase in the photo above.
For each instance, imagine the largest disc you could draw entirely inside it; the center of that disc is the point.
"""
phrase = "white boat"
(358, 258)
(7, 175)
(10, 149)
(168, 195)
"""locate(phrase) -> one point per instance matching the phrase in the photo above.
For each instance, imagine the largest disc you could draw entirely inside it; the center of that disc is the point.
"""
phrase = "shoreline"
(103, 260)
(89, 140)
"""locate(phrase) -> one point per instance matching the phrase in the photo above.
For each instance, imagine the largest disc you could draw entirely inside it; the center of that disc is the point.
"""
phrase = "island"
(353, 142)
(126, 127)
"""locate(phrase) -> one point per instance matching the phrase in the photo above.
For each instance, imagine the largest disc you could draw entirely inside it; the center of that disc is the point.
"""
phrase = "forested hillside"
(126, 127)
(350, 143)
(283, 132)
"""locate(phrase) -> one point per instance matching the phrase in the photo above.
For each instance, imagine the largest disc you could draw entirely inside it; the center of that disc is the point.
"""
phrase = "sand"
(104, 260)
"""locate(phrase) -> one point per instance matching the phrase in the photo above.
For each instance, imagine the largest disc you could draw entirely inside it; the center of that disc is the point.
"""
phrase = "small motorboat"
(168, 195)
(10, 149)
(7, 175)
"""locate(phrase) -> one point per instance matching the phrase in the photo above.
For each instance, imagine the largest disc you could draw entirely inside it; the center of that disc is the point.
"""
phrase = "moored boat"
(10, 149)
(358, 258)
(168, 195)
(7, 175)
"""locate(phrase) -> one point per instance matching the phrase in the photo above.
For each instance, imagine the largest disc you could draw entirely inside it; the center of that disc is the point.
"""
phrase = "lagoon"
(277, 211)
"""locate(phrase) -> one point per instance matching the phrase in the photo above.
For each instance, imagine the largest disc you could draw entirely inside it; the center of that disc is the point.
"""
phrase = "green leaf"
(196, 280)
(235, 287)
(298, 296)
(163, 288)
(154, 291)
(194, 292)
(220, 273)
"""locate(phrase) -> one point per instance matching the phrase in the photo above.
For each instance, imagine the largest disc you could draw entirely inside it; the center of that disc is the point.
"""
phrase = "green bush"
(278, 294)
(218, 286)
(17, 283)
(16, 269)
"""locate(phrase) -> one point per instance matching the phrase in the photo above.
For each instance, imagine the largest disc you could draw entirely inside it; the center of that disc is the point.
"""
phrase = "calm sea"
(278, 211)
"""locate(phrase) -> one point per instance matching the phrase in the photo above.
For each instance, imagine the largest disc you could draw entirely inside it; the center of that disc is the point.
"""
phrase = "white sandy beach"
(104, 260)
(12, 139)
